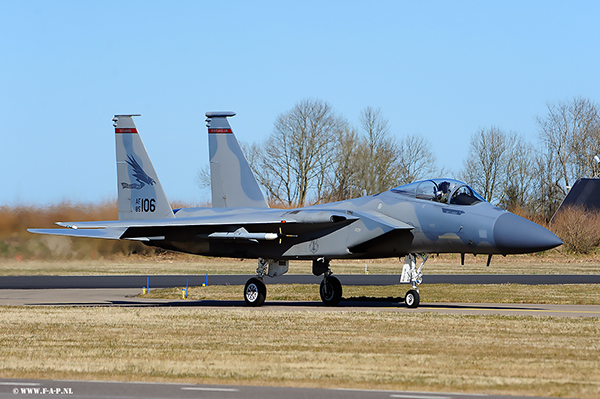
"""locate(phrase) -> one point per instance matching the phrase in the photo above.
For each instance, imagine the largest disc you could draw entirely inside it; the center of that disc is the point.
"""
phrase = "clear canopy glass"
(441, 190)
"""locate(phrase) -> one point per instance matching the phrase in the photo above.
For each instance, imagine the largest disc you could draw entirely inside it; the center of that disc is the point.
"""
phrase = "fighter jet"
(585, 194)
(410, 221)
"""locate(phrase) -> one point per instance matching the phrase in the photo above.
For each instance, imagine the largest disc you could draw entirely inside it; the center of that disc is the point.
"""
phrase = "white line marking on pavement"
(29, 384)
(209, 389)
(419, 397)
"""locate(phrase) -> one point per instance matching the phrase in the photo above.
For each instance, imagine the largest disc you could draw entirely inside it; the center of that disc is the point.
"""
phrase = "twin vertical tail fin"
(140, 193)
(232, 182)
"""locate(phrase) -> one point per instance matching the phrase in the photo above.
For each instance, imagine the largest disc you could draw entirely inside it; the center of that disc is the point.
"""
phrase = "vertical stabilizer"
(585, 193)
(232, 182)
(141, 195)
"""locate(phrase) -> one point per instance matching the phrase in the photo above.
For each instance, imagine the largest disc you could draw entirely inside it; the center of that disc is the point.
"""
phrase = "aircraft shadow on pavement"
(345, 303)
(362, 302)
(366, 303)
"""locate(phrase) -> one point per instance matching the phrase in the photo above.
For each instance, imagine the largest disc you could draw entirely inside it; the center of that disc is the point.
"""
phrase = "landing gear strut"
(331, 288)
(414, 276)
(255, 290)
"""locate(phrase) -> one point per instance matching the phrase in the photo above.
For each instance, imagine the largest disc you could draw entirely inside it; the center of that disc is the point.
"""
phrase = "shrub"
(579, 228)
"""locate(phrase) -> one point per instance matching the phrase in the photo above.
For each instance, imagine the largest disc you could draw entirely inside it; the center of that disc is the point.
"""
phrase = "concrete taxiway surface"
(89, 389)
(123, 291)
(164, 281)
(128, 297)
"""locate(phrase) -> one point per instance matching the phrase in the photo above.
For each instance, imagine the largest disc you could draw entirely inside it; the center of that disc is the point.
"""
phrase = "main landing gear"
(414, 276)
(331, 288)
(255, 290)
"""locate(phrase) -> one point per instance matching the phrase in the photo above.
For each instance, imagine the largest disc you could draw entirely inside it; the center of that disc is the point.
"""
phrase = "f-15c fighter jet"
(410, 221)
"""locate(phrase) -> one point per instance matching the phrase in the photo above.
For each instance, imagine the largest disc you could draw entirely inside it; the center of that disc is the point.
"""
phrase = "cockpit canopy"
(441, 190)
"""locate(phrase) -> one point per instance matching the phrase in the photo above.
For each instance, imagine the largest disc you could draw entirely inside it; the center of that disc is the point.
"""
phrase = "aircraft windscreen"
(441, 190)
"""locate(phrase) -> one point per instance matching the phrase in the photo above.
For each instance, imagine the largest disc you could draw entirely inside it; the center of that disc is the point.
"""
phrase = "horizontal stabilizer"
(109, 234)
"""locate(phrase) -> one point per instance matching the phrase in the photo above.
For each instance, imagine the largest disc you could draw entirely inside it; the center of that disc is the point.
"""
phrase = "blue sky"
(441, 69)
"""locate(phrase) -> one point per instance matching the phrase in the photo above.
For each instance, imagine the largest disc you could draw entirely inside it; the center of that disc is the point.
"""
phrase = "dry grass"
(565, 294)
(14, 221)
(17, 243)
(422, 352)
(562, 294)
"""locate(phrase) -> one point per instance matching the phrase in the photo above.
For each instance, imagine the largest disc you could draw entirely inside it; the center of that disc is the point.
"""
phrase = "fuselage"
(458, 221)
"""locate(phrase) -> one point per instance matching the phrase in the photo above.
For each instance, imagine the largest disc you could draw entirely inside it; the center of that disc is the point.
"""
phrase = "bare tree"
(343, 183)
(415, 159)
(377, 153)
(313, 154)
(485, 165)
(203, 177)
(547, 193)
(295, 161)
(371, 161)
(571, 135)
(519, 174)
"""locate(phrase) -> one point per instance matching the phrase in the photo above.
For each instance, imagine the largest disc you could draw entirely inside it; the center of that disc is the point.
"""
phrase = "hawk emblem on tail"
(139, 174)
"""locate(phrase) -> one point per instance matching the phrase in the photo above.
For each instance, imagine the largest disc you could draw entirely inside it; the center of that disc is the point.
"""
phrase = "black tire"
(331, 291)
(412, 299)
(255, 292)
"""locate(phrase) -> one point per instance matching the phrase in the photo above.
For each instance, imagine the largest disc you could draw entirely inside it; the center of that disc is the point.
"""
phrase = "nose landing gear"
(412, 299)
(414, 276)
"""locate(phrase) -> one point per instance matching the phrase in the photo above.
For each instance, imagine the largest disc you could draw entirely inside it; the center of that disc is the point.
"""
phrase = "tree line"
(315, 155)
(534, 178)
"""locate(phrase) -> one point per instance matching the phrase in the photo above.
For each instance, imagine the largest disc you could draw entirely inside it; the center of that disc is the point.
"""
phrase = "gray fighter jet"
(410, 221)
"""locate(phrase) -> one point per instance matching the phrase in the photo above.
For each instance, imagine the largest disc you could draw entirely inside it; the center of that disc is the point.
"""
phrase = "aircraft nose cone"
(516, 235)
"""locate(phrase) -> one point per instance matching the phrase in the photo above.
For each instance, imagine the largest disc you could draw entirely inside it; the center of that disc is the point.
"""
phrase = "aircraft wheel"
(412, 299)
(255, 292)
(331, 291)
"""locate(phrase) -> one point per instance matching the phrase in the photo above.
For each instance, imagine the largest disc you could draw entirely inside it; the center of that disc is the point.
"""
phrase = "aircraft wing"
(214, 224)
(246, 224)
